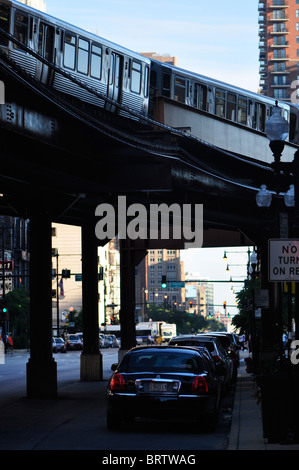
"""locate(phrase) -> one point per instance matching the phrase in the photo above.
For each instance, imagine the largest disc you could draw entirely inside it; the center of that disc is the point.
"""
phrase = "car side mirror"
(114, 366)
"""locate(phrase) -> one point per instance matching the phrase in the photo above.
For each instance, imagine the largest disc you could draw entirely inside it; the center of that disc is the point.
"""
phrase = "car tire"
(113, 422)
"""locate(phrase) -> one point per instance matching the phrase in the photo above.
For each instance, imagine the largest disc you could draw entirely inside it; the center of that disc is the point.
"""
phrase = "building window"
(279, 67)
(280, 93)
(279, 54)
(280, 80)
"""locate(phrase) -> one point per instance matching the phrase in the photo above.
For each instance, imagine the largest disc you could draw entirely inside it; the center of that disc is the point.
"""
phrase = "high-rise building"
(166, 58)
(37, 4)
(149, 290)
(279, 47)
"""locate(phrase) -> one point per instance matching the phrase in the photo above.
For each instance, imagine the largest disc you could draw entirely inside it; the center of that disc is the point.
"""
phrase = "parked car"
(234, 342)
(80, 336)
(54, 348)
(73, 342)
(112, 341)
(231, 349)
(163, 382)
(103, 341)
(60, 345)
(223, 364)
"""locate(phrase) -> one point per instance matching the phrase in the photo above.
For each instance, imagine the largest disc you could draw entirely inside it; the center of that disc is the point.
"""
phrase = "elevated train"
(137, 87)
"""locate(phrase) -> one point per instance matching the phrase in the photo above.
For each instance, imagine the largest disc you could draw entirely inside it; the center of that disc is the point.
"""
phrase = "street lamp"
(289, 197)
(263, 197)
(277, 130)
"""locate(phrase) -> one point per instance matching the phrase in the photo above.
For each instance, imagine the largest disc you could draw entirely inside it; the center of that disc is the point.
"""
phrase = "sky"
(215, 38)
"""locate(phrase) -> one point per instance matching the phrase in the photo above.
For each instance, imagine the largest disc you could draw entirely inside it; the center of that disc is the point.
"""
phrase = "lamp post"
(277, 129)
(277, 408)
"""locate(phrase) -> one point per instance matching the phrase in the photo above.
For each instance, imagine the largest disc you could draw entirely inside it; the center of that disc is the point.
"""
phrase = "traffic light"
(191, 303)
(66, 273)
(163, 282)
(3, 311)
(224, 306)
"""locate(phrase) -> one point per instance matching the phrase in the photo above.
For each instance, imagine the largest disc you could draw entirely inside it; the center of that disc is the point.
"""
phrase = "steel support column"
(127, 296)
(91, 365)
(41, 367)
(131, 254)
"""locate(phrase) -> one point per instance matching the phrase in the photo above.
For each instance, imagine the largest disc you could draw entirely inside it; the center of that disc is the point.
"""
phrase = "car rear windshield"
(162, 361)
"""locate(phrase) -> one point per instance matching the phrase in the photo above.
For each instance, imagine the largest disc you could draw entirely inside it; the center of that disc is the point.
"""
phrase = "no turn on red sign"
(284, 259)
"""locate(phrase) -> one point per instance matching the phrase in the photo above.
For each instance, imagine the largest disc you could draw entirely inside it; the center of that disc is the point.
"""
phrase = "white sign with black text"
(284, 259)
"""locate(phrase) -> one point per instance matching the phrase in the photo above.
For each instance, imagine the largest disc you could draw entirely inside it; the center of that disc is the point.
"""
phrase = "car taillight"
(117, 383)
(199, 384)
(217, 358)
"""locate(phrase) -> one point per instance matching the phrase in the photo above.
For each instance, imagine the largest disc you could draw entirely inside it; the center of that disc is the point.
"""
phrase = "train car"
(127, 83)
(220, 114)
(109, 69)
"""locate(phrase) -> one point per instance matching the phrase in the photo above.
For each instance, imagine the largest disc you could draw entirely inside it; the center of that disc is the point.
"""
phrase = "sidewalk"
(247, 428)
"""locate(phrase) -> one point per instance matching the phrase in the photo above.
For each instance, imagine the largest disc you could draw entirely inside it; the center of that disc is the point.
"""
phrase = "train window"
(96, 61)
(83, 56)
(262, 117)
(293, 125)
(242, 110)
(136, 77)
(46, 41)
(180, 89)
(200, 96)
(21, 28)
(259, 117)
(220, 103)
(231, 106)
(153, 79)
(69, 50)
(4, 23)
(166, 85)
(146, 81)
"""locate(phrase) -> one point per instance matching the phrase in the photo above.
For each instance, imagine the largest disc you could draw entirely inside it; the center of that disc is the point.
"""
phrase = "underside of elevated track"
(59, 161)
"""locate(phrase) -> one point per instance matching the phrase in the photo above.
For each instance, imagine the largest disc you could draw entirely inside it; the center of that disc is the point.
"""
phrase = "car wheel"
(113, 422)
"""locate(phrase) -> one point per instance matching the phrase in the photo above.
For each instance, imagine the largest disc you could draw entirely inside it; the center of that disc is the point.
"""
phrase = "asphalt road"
(77, 419)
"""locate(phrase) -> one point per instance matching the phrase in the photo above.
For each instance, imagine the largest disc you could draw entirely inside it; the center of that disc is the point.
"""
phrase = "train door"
(114, 81)
(46, 40)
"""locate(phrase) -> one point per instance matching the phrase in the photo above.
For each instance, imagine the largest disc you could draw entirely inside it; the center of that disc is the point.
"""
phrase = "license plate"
(158, 387)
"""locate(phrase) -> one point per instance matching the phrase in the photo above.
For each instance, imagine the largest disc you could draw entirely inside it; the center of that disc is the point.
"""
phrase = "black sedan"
(162, 382)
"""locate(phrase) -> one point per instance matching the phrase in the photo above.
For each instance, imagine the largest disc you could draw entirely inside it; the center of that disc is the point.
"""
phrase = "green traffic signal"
(163, 282)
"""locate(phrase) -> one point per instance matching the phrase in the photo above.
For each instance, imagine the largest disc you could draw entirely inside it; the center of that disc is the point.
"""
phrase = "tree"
(242, 321)
(18, 306)
(186, 323)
